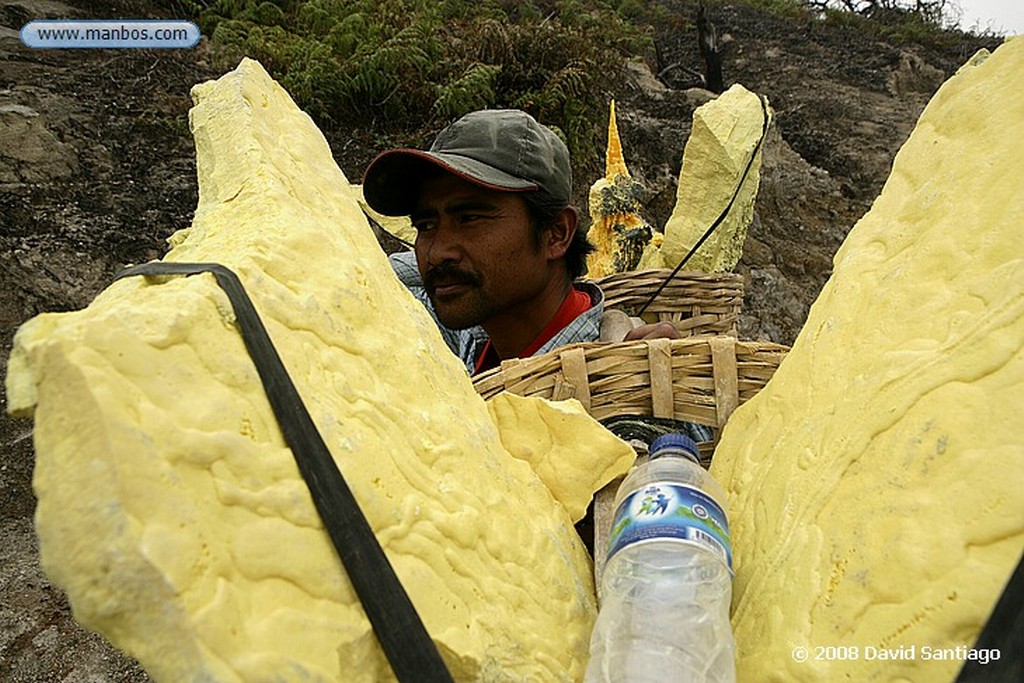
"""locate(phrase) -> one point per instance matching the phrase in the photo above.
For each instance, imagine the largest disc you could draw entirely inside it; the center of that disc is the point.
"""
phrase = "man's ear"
(560, 232)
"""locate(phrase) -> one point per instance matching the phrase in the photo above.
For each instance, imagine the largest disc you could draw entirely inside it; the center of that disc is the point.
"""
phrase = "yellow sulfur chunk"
(614, 160)
(555, 438)
(723, 137)
(876, 485)
(398, 226)
(618, 231)
(170, 509)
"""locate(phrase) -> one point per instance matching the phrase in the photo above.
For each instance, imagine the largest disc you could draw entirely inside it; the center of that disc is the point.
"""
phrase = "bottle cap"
(676, 442)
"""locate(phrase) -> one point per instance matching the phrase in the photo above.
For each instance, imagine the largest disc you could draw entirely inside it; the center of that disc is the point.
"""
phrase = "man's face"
(476, 251)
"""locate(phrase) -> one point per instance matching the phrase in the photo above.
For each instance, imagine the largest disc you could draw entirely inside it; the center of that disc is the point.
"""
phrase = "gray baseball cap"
(499, 149)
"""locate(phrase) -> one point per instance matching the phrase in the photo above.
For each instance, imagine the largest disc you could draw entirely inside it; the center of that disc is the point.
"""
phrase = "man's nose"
(444, 245)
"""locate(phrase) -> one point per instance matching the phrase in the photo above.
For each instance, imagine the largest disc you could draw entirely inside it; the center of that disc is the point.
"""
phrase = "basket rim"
(665, 273)
(604, 349)
(701, 378)
(686, 292)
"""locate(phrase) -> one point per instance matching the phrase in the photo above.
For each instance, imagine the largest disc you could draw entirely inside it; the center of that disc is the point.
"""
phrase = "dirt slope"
(97, 169)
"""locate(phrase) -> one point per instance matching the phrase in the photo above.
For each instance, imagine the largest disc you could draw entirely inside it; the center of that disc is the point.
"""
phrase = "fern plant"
(405, 68)
(471, 91)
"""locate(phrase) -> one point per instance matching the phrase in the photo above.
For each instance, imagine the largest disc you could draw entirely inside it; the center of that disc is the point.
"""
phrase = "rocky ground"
(97, 169)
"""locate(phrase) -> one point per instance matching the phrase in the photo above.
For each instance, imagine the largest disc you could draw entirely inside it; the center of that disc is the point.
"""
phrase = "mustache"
(448, 274)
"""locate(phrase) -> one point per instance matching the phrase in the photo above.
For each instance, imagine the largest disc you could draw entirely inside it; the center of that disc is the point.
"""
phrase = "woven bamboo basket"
(696, 379)
(695, 303)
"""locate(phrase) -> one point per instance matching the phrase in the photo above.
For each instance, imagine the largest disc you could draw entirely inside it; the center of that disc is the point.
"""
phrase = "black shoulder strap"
(405, 641)
(997, 655)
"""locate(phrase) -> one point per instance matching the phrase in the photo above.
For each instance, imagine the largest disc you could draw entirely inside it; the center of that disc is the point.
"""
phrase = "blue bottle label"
(663, 510)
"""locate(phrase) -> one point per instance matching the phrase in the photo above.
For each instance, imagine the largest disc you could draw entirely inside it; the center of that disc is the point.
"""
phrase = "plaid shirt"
(467, 344)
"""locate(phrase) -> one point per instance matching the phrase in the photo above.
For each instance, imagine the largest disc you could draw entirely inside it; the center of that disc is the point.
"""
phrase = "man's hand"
(617, 326)
(661, 330)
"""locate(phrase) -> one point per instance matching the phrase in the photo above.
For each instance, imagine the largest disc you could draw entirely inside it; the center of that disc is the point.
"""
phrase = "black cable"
(728, 207)
(407, 645)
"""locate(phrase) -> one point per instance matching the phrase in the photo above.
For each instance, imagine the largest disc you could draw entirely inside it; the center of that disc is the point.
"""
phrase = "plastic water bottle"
(667, 583)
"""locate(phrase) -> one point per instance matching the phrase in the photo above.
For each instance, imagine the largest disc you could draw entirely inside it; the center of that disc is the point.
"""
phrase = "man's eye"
(470, 217)
(424, 226)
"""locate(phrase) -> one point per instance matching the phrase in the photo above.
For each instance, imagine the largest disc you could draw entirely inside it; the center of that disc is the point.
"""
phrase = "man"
(498, 249)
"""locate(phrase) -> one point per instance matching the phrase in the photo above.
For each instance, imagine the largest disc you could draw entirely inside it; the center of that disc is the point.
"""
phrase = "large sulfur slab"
(876, 485)
(170, 509)
(723, 145)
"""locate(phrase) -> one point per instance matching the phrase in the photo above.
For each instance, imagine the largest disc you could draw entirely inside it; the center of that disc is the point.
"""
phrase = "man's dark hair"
(543, 208)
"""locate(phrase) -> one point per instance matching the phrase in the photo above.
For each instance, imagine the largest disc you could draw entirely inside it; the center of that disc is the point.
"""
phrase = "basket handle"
(574, 374)
(724, 371)
(659, 361)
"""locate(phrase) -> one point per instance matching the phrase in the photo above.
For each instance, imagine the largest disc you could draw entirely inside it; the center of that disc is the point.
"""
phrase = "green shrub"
(901, 21)
(405, 68)
(472, 91)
